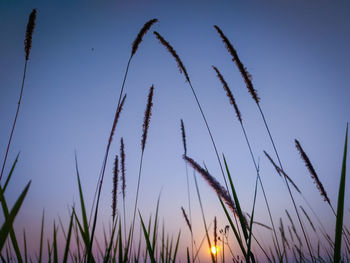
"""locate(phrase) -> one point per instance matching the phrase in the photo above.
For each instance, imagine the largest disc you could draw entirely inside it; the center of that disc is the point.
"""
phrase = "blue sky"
(296, 51)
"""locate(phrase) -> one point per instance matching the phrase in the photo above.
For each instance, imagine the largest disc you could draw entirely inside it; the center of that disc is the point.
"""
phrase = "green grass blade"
(7, 226)
(12, 233)
(120, 244)
(155, 229)
(188, 256)
(239, 240)
(41, 236)
(54, 246)
(238, 206)
(82, 203)
(108, 254)
(10, 174)
(340, 209)
(25, 246)
(66, 250)
(148, 243)
(176, 247)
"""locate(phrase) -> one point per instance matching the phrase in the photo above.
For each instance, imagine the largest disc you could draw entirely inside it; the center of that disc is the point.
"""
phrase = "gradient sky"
(296, 51)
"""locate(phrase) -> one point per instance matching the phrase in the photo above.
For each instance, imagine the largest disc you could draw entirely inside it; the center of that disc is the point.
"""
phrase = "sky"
(296, 51)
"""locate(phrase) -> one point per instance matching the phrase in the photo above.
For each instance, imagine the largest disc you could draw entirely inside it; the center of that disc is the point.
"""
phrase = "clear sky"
(296, 51)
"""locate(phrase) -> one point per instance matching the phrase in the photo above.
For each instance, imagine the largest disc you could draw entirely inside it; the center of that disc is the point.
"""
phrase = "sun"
(214, 250)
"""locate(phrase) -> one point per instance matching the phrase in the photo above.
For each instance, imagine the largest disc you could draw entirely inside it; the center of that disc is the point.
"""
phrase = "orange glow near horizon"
(214, 250)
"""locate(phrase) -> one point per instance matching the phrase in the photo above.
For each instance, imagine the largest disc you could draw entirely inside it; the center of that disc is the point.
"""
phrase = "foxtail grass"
(115, 122)
(312, 172)
(184, 71)
(239, 117)
(123, 171)
(27, 48)
(145, 127)
(115, 187)
(183, 135)
(247, 79)
(135, 46)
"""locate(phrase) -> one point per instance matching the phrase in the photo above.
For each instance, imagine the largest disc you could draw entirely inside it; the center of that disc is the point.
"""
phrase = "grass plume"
(146, 27)
(147, 118)
(312, 171)
(183, 136)
(245, 74)
(29, 33)
(220, 191)
(228, 93)
(122, 165)
(186, 219)
(115, 187)
(174, 54)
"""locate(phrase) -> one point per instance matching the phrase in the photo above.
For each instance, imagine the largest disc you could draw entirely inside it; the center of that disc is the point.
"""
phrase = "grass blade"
(65, 257)
(10, 174)
(176, 247)
(148, 243)
(340, 209)
(41, 237)
(7, 226)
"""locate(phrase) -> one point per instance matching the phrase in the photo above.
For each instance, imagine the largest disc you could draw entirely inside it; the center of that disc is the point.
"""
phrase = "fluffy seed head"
(280, 171)
(147, 119)
(229, 94)
(116, 118)
(183, 136)
(115, 187)
(312, 171)
(186, 219)
(245, 74)
(122, 162)
(140, 35)
(29, 33)
(173, 53)
(215, 185)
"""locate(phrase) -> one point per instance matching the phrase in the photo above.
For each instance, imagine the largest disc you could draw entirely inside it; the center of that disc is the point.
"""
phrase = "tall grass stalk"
(27, 48)
(247, 79)
(115, 122)
(184, 71)
(183, 135)
(135, 46)
(239, 117)
(146, 121)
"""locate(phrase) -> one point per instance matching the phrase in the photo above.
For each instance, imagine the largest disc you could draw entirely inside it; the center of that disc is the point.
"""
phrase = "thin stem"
(290, 192)
(137, 196)
(262, 186)
(108, 144)
(189, 210)
(15, 120)
(211, 136)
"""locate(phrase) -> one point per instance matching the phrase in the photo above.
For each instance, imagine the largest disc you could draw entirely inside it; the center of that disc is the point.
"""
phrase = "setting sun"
(214, 250)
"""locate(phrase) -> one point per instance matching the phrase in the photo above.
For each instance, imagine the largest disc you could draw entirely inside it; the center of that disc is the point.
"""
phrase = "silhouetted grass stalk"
(239, 117)
(184, 71)
(135, 46)
(247, 78)
(27, 48)
(147, 118)
(183, 135)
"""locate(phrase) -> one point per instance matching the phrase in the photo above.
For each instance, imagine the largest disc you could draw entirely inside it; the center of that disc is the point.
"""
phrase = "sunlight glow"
(214, 250)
